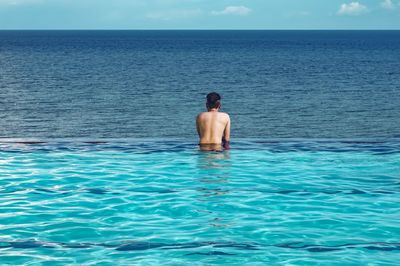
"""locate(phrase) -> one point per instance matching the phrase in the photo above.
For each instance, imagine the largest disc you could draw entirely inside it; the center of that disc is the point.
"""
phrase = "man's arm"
(227, 134)
(197, 125)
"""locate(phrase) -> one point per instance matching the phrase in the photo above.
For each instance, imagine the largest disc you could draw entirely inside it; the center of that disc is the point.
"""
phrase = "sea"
(135, 84)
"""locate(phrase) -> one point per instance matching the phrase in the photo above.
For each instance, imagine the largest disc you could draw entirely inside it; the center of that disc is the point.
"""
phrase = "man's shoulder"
(225, 115)
(201, 114)
(220, 114)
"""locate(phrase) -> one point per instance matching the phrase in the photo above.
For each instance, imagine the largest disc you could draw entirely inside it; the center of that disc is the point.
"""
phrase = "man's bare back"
(213, 126)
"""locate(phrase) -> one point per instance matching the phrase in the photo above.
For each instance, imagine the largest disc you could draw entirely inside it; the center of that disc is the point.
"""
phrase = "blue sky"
(199, 14)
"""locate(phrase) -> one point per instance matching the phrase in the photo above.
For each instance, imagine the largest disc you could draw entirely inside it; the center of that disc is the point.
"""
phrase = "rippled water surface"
(299, 202)
(275, 84)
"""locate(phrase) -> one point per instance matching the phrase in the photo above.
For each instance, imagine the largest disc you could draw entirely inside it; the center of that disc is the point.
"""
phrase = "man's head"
(213, 100)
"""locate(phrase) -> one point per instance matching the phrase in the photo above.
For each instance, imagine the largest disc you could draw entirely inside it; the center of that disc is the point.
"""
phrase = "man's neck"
(213, 110)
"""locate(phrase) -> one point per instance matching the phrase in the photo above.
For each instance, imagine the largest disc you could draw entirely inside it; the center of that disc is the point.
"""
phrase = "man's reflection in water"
(214, 171)
(213, 156)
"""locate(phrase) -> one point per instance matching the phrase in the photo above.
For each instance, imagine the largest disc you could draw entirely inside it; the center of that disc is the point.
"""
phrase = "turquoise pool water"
(135, 202)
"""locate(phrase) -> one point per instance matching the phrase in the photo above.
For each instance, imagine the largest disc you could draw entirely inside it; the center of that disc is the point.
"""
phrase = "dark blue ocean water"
(275, 84)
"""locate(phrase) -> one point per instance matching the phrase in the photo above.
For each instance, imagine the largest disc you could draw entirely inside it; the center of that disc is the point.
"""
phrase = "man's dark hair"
(213, 100)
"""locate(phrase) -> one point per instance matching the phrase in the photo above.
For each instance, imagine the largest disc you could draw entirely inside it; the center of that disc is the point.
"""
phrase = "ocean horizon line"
(200, 30)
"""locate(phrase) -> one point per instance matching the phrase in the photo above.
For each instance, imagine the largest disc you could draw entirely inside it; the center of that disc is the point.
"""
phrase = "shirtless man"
(213, 127)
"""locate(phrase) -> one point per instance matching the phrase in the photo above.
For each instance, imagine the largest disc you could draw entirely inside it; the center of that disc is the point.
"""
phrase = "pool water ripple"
(125, 202)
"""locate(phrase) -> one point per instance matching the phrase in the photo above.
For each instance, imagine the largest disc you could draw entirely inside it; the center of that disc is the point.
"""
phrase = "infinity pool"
(164, 202)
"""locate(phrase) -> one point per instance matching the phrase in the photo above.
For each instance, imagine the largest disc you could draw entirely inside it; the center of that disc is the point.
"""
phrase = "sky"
(199, 14)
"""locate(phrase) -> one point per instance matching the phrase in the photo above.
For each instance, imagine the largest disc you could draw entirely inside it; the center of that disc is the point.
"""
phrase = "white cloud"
(174, 14)
(352, 9)
(233, 10)
(388, 4)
